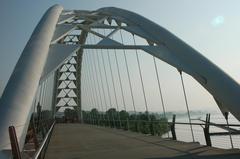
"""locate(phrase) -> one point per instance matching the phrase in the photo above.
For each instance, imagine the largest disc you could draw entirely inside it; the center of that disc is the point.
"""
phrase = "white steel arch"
(44, 52)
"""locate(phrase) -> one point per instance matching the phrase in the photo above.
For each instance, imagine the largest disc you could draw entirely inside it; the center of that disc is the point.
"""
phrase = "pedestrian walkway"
(79, 141)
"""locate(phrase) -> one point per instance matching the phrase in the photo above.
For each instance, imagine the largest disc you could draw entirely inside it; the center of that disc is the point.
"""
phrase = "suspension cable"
(96, 74)
(83, 85)
(120, 83)
(186, 102)
(120, 80)
(95, 78)
(45, 92)
(55, 88)
(107, 83)
(103, 90)
(94, 85)
(83, 95)
(129, 78)
(90, 85)
(141, 78)
(37, 97)
(90, 88)
(87, 90)
(41, 106)
(114, 89)
(160, 90)
(108, 89)
(91, 102)
(98, 84)
(34, 110)
(91, 76)
(99, 88)
(84, 89)
(40, 94)
(105, 73)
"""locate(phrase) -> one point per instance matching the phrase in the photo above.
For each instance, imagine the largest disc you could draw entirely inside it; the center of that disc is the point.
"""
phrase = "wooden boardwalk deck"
(78, 141)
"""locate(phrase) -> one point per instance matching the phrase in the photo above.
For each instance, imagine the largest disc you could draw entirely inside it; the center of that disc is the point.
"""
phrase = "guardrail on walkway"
(159, 127)
(40, 152)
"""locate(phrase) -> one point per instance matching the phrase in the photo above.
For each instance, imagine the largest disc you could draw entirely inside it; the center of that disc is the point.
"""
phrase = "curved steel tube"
(18, 96)
(177, 53)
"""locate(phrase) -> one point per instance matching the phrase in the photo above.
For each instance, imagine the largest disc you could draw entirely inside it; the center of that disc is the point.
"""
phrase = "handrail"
(180, 123)
(45, 142)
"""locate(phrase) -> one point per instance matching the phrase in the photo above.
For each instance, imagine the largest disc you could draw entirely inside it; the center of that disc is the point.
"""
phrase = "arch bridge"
(83, 60)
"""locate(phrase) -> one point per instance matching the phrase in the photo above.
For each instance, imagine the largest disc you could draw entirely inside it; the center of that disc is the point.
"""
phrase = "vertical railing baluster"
(174, 137)
(206, 131)
(16, 154)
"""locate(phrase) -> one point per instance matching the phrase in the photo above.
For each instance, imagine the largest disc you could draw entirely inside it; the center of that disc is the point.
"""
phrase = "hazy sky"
(211, 27)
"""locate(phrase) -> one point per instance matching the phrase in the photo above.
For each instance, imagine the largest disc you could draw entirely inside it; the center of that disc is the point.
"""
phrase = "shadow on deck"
(73, 141)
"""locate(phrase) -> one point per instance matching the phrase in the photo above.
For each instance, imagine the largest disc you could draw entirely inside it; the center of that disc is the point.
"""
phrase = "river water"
(183, 132)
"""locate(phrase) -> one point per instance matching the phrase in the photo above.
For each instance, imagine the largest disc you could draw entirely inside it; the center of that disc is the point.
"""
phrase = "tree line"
(145, 123)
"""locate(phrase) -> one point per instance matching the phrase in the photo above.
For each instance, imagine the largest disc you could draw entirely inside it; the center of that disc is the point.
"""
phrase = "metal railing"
(150, 128)
(40, 152)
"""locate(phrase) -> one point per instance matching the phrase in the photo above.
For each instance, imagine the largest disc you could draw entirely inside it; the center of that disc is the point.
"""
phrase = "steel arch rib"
(16, 106)
(177, 53)
(17, 98)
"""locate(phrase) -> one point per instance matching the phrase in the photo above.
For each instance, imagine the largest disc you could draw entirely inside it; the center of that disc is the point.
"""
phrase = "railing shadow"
(196, 156)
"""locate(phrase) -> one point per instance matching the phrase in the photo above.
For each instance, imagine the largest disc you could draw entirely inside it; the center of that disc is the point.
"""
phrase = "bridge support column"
(82, 39)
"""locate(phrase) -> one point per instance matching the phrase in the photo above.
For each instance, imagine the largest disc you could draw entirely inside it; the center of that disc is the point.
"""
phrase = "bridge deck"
(73, 141)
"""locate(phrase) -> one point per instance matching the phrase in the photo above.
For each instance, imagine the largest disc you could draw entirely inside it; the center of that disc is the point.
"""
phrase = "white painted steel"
(58, 53)
(62, 30)
(222, 87)
(64, 18)
(18, 96)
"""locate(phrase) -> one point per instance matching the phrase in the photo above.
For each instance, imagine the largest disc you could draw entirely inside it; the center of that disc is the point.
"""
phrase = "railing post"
(230, 136)
(172, 126)
(151, 126)
(35, 140)
(135, 125)
(128, 128)
(40, 153)
(206, 131)
(16, 154)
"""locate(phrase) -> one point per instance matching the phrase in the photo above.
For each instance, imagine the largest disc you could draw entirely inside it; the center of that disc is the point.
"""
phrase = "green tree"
(113, 117)
(95, 115)
(70, 115)
(124, 117)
